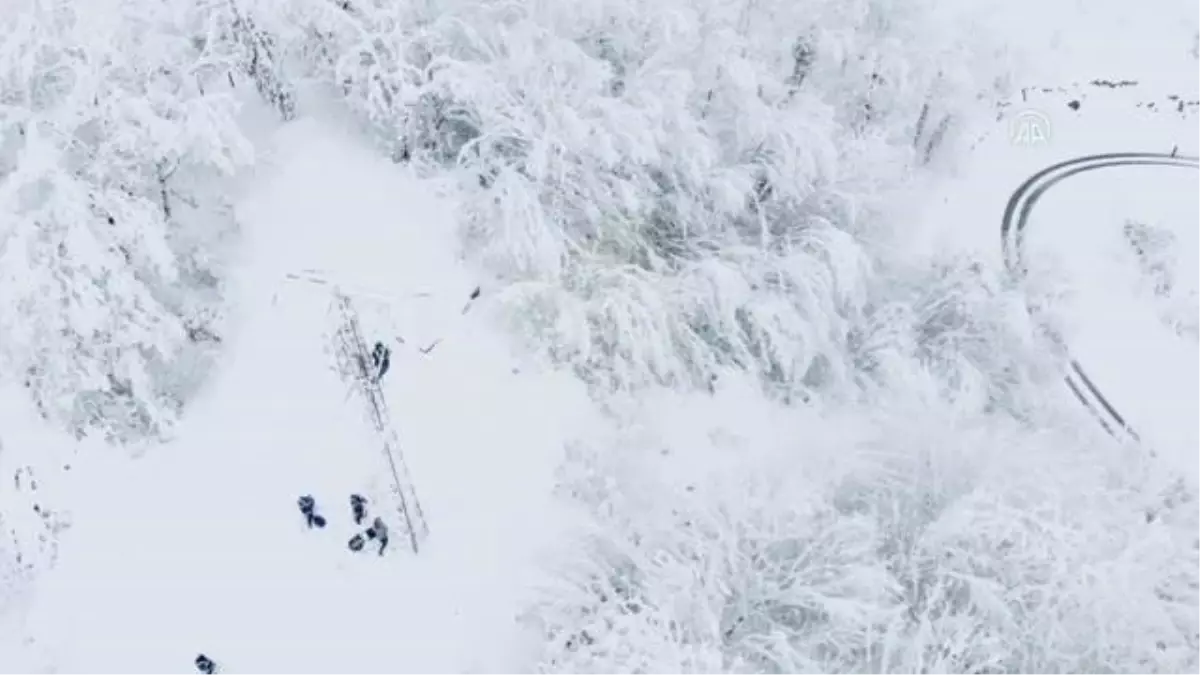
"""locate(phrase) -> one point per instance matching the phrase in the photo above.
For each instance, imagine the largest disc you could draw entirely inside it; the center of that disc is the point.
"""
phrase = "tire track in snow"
(1012, 234)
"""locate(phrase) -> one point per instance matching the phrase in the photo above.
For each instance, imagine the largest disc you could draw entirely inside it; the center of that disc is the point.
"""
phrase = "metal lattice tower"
(354, 364)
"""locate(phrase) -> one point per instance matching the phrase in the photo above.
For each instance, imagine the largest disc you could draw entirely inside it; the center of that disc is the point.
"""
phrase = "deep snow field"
(190, 555)
(195, 546)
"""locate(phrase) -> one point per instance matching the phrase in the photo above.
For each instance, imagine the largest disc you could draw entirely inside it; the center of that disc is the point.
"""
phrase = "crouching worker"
(378, 532)
(381, 360)
(308, 507)
(205, 665)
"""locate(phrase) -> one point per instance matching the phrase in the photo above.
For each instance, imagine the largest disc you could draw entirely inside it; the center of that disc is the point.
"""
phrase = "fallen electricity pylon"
(354, 363)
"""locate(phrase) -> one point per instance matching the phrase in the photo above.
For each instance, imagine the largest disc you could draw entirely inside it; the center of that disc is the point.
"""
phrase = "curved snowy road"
(1012, 231)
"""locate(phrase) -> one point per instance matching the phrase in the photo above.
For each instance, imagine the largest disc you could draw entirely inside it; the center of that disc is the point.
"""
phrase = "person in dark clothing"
(378, 532)
(205, 665)
(358, 507)
(381, 359)
(356, 543)
(308, 507)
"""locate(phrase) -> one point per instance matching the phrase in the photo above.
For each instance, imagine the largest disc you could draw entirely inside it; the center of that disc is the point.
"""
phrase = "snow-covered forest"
(703, 356)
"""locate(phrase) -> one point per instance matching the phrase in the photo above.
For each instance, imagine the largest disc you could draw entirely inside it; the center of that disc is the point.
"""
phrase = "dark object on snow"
(473, 297)
(1073, 105)
(356, 543)
(378, 532)
(205, 665)
(381, 359)
(358, 506)
(308, 507)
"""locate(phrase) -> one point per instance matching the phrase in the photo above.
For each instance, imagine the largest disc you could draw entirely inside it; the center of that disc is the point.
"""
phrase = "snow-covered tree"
(819, 455)
(669, 190)
(106, 125)
(735, 537)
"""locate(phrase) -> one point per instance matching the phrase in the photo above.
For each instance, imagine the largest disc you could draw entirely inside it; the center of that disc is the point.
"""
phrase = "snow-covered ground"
(194, 552)
(197, 547)
(1114, 323)
(1075, 241)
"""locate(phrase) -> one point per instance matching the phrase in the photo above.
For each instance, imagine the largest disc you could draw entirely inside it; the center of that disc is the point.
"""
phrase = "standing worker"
(358, 508)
